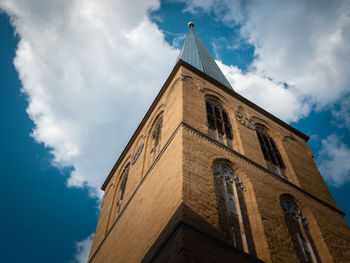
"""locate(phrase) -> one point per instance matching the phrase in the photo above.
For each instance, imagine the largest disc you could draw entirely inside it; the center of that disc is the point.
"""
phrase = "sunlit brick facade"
(228, 182)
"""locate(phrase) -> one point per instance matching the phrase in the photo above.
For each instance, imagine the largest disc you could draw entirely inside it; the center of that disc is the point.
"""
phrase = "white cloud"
(334, 160)
(82, 249)
(271, 96)
(226, 10)
(342, 112)
(302, 43)
(77, 61)
(178, 40)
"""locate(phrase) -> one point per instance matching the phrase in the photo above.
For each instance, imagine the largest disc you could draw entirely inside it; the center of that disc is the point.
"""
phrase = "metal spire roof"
(194, 53)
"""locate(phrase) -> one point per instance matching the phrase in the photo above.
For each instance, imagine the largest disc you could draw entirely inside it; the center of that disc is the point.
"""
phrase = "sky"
(77, 77)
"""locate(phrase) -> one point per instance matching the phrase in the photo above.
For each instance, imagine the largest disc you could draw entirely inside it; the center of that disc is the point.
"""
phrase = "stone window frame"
(232, 209)
(218, 122)
(122, 187)
(156, 136)
(270, 150)
(298, 228)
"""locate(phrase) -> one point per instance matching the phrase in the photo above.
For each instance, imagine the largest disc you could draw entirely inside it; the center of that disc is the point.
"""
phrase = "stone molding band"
(274, 175)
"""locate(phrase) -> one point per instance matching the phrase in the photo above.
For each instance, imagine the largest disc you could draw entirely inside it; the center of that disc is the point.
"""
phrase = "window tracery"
(291, 209)
(270, 151)
(232, 211)
(156, 136)
(298, 227)
(122, 188)
(225, 172)
(218, 122)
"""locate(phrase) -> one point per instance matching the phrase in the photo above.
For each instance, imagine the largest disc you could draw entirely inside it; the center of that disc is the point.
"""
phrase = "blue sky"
(68, 74)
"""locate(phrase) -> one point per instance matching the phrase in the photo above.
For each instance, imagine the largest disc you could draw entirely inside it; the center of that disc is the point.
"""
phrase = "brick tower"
(208, 176)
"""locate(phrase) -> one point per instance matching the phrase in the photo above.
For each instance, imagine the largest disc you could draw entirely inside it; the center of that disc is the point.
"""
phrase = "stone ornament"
(245, 121)
(137, 154)
(226, 173)
(291, 209)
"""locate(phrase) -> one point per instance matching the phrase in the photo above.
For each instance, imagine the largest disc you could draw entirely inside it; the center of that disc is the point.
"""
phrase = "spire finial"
(191, 24)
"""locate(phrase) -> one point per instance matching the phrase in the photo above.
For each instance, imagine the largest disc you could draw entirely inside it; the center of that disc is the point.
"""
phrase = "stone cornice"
(256, 165)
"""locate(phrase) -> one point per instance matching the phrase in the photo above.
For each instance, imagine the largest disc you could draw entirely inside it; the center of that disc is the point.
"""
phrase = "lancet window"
(122, 187)
(270, 151)
(156, 136)
(298, 227)
(219, 125)
(232, 210)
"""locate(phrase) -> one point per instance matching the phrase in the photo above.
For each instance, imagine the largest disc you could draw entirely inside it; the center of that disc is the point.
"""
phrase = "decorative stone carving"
(225, 172)
(291, 209)
(245, 121)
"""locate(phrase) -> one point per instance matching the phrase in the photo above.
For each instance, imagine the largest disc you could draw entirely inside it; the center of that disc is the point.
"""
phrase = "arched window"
(219, 125)
(156, 136)
(271, 153)
(232, 211)
(298, 228)
(122, 187)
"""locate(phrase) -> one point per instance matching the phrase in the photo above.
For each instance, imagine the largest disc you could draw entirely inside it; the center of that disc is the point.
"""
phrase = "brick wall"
(181, 179)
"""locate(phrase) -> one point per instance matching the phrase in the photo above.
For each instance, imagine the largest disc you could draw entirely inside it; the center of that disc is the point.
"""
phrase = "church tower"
(208, 176)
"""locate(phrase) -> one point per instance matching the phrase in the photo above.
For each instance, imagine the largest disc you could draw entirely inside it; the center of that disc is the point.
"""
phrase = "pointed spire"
(194, 53)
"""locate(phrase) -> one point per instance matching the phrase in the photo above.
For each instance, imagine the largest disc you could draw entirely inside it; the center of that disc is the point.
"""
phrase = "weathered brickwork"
(301, 169)
(306, 171)
(170, 107)
(178, 187)
(266, 190)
